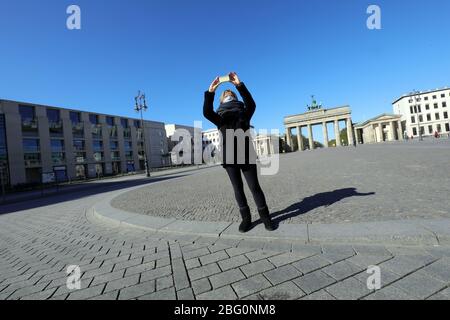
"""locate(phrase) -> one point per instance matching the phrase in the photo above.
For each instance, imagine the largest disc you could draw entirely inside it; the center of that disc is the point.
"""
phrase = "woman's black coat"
(239, 120)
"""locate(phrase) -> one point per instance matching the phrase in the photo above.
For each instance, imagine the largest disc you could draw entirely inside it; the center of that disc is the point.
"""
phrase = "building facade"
(425, 113)
(267, 144)
(69, 144)
(195, 148)
(385, 127)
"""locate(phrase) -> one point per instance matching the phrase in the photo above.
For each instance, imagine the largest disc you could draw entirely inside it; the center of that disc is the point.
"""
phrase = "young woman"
(233, 114)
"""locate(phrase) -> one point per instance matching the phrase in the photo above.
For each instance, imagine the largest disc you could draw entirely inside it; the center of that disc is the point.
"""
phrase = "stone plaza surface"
(40, 238)
(368, 183)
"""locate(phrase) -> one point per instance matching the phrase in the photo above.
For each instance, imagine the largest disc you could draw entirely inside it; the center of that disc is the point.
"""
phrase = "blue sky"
(172, 49)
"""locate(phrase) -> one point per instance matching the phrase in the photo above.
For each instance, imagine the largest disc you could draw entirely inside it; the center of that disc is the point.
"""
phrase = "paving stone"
(364, 260)
(284, 291)
(282, 274)
(238, 251)
(96, 272)
(180, 274)
(200, 286)
(257, 267)
(224, 293)
(138, 290)
(185, 294)
(205, 271)
(41, 295)
(439, 270)
(127, 264)
(314, 281)
(260, 255)
(140, 268)
(25, 291)
(214, 257)
(389, 293)
(420, 285)
(279, 246)
(349, 289)
(403, 265)
(319, 295)
(155, 273)
(84, 294)
(192, 263)
(372, 250)
(387, 277)
(311, 264)
(342, 270)
(196, 253)
(251, 285)
(166, 294)
(218, 247)
(232, 263)
(225, 278)
(164, 283)
(162, 262)
(107, 277)
(285, 258)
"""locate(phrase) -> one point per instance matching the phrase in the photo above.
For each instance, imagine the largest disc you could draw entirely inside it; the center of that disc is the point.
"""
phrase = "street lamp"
(417, 98)
(141, 105)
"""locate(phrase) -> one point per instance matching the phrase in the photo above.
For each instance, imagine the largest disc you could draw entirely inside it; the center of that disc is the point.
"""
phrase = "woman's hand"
(214, 85)
(234, 78)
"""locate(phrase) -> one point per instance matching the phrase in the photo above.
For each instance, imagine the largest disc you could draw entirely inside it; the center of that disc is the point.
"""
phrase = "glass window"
(415, 131)
(429, 117)
(434, 97)
(137, 123)
(413, 119)
(444, 104)
(128, 145)
(78, 145)
(420, 118)
(426, 98)
(93, 118)
(114, 145)
(445, 115)
(439, 128)
(436, 115)
(98, 156)
(26, 112)
(447, 127)
(430, 129)
(110, 121)
(53, 115)
(57, 145)
(427, 106)
(31, 145)
(443, 95)
(436, 105)
(75, 117)
(124, 123)
(97, 145)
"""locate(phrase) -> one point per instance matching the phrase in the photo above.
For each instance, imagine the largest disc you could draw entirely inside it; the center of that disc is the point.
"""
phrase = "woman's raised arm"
(208, 105)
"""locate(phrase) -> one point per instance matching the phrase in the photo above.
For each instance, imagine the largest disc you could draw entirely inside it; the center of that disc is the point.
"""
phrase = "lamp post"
(141, 105)
(417, 98)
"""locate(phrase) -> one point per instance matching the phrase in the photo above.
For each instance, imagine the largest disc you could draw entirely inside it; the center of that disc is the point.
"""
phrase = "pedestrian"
(233, 114)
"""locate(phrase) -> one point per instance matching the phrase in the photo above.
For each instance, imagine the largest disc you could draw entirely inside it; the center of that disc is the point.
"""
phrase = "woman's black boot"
(246, 219)
(265, 218)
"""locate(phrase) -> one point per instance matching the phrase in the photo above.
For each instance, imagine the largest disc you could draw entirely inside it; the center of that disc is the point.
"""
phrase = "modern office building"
(38, 142)
(424, 112)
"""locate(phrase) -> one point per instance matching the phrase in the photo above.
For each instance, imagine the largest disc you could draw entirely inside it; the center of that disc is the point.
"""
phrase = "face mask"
(229, 99)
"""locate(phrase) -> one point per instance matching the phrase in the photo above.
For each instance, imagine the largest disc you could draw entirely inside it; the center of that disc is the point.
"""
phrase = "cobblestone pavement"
(369, 183)
(40, 238)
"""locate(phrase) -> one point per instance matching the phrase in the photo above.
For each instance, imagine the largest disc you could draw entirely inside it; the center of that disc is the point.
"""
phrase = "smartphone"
(224, 79)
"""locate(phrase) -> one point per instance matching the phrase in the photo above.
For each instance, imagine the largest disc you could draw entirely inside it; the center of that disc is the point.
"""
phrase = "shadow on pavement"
(86, 190)
(324, 199)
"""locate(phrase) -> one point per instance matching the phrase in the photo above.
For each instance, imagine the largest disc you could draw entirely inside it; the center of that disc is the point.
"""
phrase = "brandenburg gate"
(316, 115)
